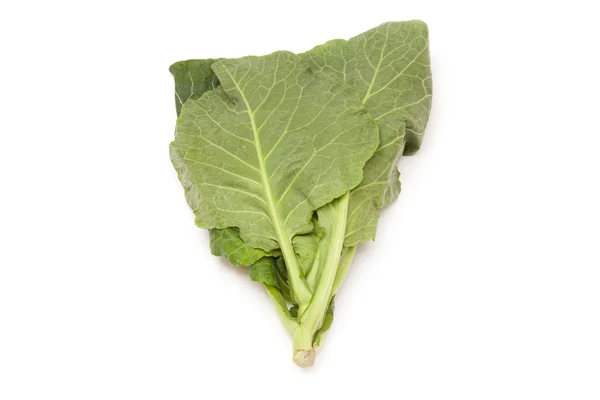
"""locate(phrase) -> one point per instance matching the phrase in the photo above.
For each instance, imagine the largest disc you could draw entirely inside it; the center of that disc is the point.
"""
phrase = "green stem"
(347, 257)
(283, 313)
(298, 286)
(345, 262)
(312, 317)
(311, 277)
(330, 269)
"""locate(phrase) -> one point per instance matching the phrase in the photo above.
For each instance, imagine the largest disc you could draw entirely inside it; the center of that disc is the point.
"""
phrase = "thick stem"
(299, 289)
(345, 262)
(311, 277)
(312, 318)
(304, 353)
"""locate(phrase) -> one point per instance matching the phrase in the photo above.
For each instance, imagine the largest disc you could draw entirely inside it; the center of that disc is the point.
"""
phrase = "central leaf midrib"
(301, 290)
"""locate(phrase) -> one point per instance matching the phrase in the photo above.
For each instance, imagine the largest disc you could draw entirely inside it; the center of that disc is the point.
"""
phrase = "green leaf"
(264, 271)
(286, 317)
(389, 67)
(282, 279)
(392, 190)
(307, 246)
(227, 243)
(271, 144)
(272, 272)
(252, 152)
(192, 79)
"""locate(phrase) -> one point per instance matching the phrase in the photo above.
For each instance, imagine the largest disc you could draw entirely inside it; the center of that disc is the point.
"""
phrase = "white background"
(484, 281)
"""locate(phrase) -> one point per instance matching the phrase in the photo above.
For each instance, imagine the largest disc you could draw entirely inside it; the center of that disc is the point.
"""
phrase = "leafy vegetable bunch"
(287, 159)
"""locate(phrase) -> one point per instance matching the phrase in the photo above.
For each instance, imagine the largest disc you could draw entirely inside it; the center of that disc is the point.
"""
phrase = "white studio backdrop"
(482, 283)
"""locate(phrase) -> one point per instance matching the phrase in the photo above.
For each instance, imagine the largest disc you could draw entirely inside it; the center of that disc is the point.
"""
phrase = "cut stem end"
(304, 358)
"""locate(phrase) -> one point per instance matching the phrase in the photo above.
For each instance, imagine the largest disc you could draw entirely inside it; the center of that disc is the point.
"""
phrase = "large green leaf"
(271, 144)
(254, 206)
(389, 67)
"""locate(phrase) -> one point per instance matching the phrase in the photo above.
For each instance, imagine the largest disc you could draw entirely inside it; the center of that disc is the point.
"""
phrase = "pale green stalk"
(311, 318)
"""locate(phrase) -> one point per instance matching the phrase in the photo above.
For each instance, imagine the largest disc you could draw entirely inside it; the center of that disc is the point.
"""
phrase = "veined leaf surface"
(389, 67)
(192, 79)
(229, 244)
(271, 144)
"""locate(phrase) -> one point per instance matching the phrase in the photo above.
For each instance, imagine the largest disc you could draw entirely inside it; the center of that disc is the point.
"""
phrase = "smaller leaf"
(192, 79)
(272, 272)
(264, 271)
(228, 243)
(282, 279)
(306, 247)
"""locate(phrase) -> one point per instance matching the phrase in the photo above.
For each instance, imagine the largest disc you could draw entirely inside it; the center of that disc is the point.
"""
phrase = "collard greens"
(287, 159)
